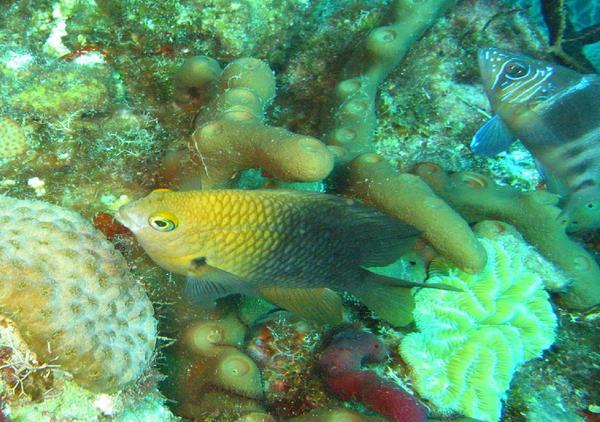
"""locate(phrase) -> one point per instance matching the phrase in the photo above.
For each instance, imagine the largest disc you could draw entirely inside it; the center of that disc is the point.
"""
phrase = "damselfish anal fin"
(320, 305)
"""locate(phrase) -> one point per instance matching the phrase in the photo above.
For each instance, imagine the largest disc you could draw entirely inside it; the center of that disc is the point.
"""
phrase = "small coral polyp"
(13, 141)
(70, 294)
(471, 342)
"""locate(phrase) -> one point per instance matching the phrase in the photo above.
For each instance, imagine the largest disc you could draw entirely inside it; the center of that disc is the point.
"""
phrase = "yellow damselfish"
(289, 247)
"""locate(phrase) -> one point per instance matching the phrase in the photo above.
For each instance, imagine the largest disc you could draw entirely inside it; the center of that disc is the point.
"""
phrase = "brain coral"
(470, 343)
(71, 295)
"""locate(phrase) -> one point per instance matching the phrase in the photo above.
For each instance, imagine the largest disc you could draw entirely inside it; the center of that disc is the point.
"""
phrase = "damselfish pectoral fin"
(319, 305)
(207, 284)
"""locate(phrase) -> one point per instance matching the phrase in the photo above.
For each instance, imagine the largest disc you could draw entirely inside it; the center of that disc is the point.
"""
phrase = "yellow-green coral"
(471, 342)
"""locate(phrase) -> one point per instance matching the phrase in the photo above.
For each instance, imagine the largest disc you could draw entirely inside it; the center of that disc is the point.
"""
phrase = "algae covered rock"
(471, 342)
(70, 294)
(65, 88)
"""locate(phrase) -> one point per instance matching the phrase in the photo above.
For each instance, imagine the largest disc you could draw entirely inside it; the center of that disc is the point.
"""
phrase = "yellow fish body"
(287, 246)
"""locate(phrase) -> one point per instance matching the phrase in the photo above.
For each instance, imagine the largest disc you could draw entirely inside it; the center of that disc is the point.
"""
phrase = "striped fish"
(555, 112)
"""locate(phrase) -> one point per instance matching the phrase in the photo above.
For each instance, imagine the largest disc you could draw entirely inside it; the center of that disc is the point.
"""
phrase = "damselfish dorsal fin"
(492, 138)
(377, 239)
(319, 305)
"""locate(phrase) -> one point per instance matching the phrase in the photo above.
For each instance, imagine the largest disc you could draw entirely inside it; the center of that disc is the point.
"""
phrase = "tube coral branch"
(534, 214)
(231, 136)
(353, 115)
(372, 179)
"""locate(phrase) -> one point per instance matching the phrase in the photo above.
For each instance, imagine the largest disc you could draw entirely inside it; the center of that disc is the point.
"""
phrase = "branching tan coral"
(534, 214)
(406, 197)
(196, 81)
(231, 135)
(354, 119)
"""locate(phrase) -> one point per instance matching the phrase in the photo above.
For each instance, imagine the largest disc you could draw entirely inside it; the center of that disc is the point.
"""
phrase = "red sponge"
(341, 363)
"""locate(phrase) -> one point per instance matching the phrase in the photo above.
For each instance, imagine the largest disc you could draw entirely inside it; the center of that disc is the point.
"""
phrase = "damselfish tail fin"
(391, 303)
(391, 298)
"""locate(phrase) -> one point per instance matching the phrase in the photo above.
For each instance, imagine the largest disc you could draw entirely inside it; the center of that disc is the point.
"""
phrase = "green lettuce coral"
(470, 343)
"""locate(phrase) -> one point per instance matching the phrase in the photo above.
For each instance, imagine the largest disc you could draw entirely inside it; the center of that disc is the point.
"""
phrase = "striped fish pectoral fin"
(203, 288)
(492, 138)
(320, 305)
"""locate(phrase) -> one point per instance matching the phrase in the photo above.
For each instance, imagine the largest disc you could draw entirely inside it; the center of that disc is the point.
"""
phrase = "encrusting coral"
(70, 294)
(65, 88)
(231, 135)
(534, 214)
(470, 343)
(13, 141)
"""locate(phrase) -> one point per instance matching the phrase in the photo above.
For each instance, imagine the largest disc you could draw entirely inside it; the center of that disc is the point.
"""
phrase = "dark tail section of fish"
(387, 297)
(390, 298)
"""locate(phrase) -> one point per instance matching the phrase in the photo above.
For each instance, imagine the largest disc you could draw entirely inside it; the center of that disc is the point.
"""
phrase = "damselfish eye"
(163, 221)
(515, 70)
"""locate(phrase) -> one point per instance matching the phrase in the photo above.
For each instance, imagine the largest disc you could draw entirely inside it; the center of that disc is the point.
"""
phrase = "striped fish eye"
(516, 70)
(163, 221)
